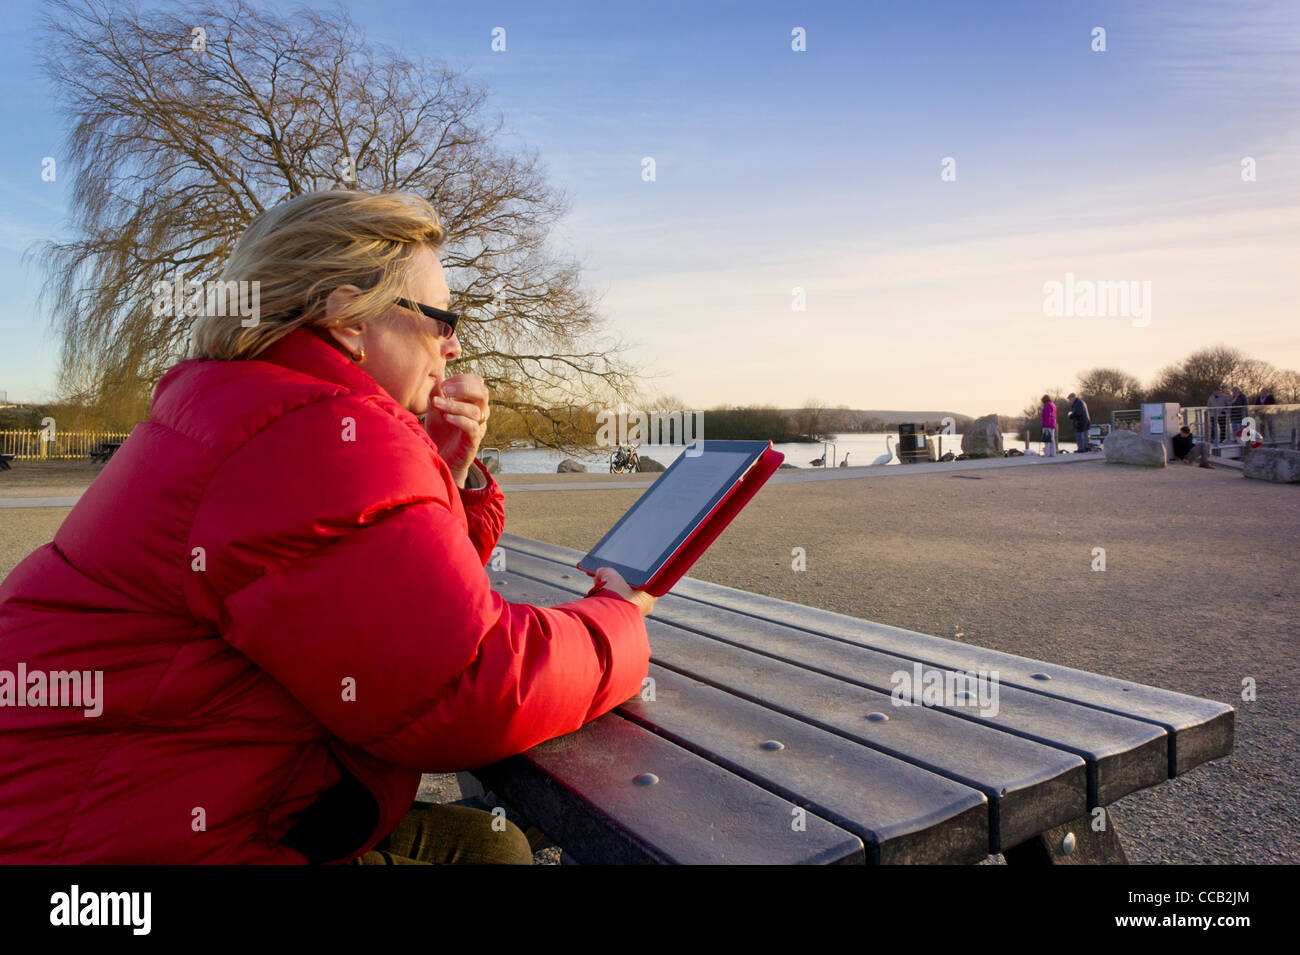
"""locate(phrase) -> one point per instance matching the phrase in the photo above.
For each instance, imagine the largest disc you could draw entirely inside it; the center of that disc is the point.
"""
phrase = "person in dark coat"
(1238, 406)
(1266, 417)
(1079, 415)
(1188, 451)
(1217, 415)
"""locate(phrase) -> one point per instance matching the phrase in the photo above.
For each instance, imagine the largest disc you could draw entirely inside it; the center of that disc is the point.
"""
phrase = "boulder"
(787, 465)
(983, 439)
(569, 465)
(648, 464)
(1272, 464)
(1128, 447)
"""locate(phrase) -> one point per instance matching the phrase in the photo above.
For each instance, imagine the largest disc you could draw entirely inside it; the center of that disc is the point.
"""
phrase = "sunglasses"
(445, 320)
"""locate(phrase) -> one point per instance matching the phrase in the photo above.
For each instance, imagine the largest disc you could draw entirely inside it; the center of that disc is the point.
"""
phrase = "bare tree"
(1286, 386)
(1109, 389)
(810, 420)
(1254, 374)
(1191, 381)
(188, 122)
(1111, 386)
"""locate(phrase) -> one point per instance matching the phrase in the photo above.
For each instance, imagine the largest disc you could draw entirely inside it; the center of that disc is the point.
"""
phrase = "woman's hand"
(457, 422)
(614, 581)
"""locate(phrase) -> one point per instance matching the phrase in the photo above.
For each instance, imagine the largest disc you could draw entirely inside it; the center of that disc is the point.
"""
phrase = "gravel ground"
(1199, 593)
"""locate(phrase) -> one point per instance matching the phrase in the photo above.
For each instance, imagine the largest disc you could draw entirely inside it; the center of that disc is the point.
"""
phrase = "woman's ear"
(335, 304)
(349, 338)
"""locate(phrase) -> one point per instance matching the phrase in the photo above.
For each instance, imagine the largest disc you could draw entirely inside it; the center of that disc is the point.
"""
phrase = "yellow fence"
(56, 445)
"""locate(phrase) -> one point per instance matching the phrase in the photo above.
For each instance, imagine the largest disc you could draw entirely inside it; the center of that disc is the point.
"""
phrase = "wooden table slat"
(1123, 754)
(581, 790)
(904, 814)
(1030, 786)
(1197, 729)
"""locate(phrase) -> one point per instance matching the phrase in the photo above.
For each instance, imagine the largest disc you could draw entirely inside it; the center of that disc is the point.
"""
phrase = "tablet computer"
(683, 511)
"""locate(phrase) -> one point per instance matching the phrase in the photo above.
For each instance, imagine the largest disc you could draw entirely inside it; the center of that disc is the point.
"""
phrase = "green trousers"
(451, 835)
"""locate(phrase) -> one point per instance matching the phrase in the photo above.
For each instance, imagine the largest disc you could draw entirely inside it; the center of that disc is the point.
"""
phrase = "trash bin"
(911, 444)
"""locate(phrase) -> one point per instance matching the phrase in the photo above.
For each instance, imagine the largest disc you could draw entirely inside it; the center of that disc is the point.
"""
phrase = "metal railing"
(41, 445)
(1130, 419)
(1272, 424)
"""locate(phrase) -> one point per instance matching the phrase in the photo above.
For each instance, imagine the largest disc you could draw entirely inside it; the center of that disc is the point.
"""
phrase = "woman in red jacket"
(280, 577)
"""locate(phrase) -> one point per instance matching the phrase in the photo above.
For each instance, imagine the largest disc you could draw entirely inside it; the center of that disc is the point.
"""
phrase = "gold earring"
(360, 356)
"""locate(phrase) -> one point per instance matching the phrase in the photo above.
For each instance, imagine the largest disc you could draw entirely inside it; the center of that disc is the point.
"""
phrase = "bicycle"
(624, 459)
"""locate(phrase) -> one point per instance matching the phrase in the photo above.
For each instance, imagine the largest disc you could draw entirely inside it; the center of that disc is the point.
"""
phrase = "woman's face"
(407, 364)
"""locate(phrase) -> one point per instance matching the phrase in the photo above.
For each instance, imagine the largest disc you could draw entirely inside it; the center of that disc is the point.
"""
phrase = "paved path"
(39, 501)
(802, 475)
(57, 497)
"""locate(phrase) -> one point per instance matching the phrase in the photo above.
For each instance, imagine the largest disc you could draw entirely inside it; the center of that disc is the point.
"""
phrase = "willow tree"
(187, 122)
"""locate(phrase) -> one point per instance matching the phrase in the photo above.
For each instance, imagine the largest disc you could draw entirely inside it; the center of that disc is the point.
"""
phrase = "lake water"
(860, 448)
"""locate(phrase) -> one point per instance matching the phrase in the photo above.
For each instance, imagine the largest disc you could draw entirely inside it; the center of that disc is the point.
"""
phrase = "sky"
(921, 171)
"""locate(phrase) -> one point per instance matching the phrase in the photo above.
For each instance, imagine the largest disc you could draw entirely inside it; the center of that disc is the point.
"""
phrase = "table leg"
(1088, 840)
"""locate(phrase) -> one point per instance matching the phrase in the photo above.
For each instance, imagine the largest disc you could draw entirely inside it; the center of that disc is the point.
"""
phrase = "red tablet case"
(714, 523)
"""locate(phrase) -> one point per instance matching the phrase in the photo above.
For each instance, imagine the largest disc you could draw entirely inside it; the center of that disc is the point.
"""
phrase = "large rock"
(1272, 464)
(648, 464)
(569, 465)
(983, 439)
(1129, 447)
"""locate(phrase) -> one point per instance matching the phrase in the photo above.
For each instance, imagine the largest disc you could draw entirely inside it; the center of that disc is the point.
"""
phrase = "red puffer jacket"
(285, 591)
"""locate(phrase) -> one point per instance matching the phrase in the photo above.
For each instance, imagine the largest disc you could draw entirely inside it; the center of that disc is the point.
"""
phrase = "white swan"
(887, 456)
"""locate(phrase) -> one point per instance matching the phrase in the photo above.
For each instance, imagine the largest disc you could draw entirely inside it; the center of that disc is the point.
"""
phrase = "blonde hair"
(301, 250)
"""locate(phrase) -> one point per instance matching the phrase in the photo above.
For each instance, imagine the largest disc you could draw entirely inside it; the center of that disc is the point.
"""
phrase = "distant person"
(1238, 405)
(1265, 397)
(1188, 451)
(1049, 427)
(1217, 415)
(1079, 415)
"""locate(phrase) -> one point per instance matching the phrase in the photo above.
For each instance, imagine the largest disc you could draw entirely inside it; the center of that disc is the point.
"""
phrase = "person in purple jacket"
(1049, 427)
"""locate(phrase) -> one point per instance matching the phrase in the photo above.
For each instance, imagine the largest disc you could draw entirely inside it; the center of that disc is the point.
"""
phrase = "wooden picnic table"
(769, 735)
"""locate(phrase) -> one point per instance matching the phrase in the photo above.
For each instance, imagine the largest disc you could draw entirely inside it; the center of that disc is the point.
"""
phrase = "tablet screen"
(661, 520)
